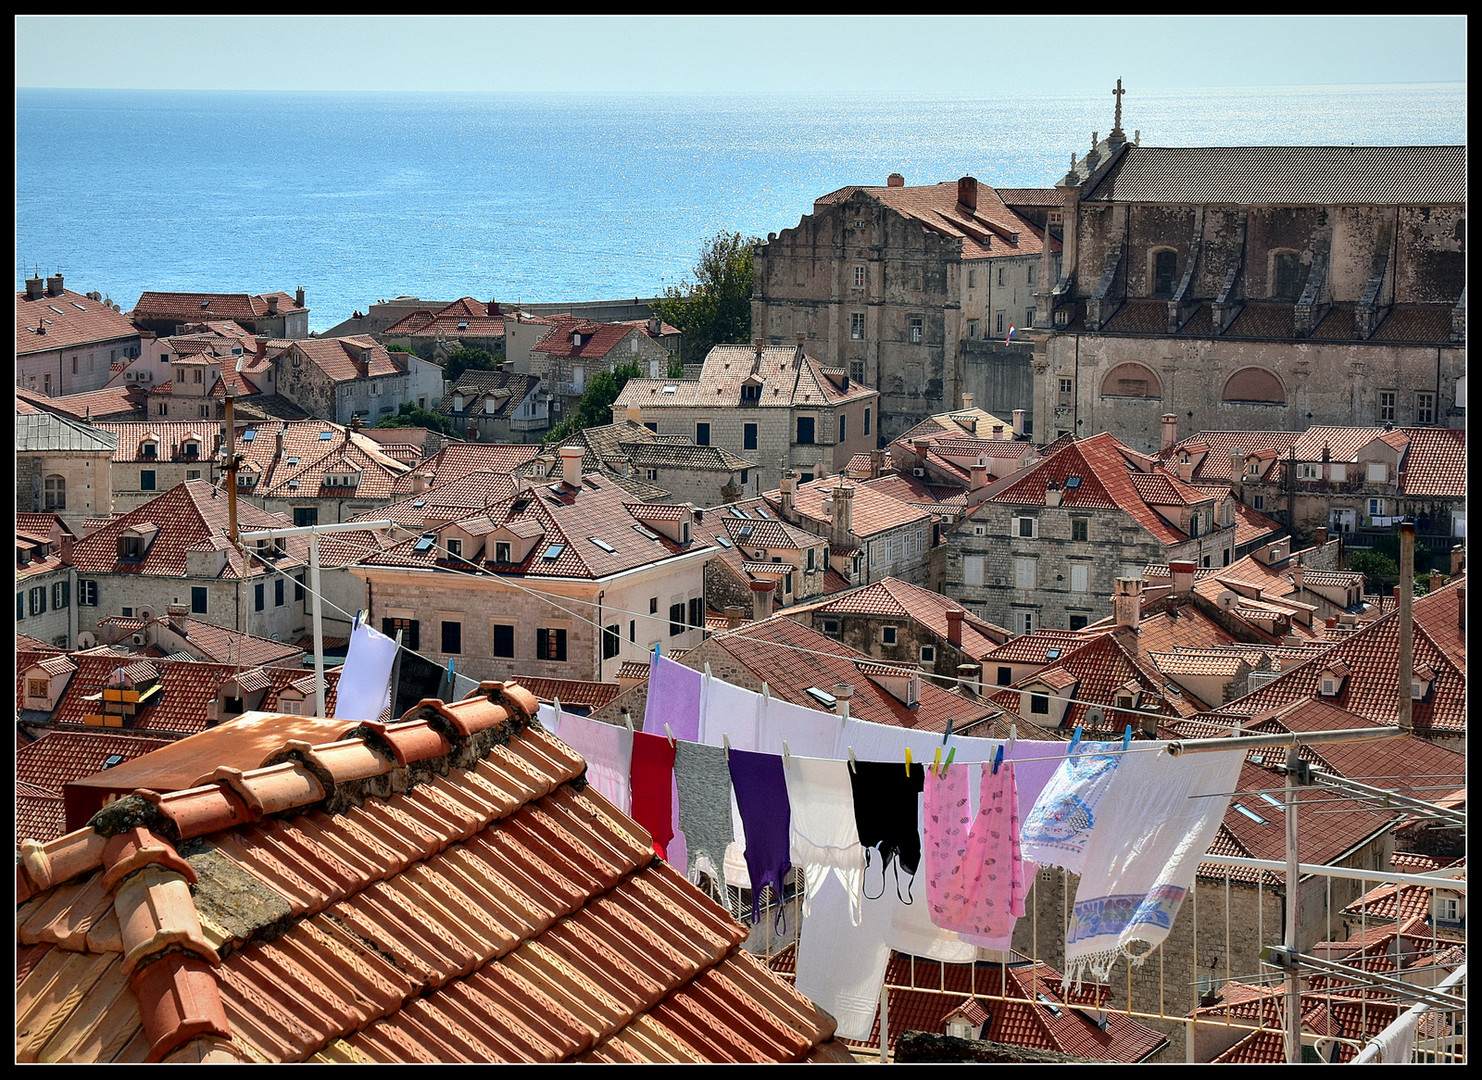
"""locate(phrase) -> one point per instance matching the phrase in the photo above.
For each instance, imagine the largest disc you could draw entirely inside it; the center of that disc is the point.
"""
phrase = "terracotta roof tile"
(495, 911)
(70, 320)
(191, 307)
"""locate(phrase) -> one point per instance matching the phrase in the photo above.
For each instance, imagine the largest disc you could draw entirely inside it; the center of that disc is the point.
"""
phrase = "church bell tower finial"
(1117, 135)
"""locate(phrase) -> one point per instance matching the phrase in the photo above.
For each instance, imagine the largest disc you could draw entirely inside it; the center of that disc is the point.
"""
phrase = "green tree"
(468, 358)
(1379, 570)
(716, 308)
(409, 415)
(595, 407)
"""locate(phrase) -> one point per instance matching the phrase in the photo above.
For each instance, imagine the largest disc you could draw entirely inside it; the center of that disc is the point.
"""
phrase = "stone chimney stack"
(787, 486)
(877, 463)
(1019, 415)
(967, 400)
(1183, 577)
(895, 179)
(1127, 602)
(978, 475)
(298, 296)
(1320, 536)
(1461, 607)
(1296, 575)
(921, 448)
(954, 625)
(735, 615)
(761, 599)
(54, 285)
(571, 465)
(419, 482)
(843, 692)
(635, 414)
(272, 305)
(1052, 494)
(1458, 559)
(998, 433)
(843, 522)
(1170, 433)
(35, 288)
(967, 192)
(177, 614)
(797, 357)
(355, 422)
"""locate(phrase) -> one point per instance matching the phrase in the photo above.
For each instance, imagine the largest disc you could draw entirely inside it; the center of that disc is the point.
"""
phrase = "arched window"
(1255, 384)
(1165, 272)
(1131, 380)
(1286, 275)
(55, 492)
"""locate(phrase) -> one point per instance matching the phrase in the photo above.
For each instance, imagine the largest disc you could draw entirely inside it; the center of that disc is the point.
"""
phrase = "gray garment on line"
(702, 777)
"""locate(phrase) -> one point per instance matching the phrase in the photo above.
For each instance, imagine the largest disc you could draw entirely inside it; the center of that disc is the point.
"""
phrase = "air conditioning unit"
(138, 639)
(918, 472)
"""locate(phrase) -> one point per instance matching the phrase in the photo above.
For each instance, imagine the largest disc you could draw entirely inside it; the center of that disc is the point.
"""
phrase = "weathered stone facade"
(904, 288)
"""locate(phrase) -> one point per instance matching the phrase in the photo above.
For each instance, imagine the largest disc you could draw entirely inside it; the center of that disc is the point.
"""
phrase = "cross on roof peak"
(1116, 132)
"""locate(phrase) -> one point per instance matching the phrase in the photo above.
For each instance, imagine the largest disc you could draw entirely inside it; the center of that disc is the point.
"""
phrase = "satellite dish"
(86, 640)
(1227, 599)
(1095, 715)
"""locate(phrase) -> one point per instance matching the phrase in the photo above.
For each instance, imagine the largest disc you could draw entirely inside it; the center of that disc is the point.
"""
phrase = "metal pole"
(318, 623)
(231, 471)
(1293, 905)
(1407, 619)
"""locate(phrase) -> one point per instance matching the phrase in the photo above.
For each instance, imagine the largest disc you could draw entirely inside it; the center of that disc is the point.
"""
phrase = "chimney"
(797, 357)
(954, 625)
(1461, 607)
(298, 296)
(1127, 602)
(272, 305)
(419, 482)
(278, 442)
(1183, 577)
(967, 400)
(1052, 494)
(177, 614)
(877, 463)
(355, 422)
(1320, 536)
(54, 285)
(978, 475)
(1170, 432)
(1019, 415)
(735, 615)
(970, 676)
(921, 449)
(967, 192)
(571, 465)
(35, 287)
(1296, 575)
(635, 414)
(761, 599)
(843, 523)
(842, 693)
(788, 486)
(998, 433)
(895, 179)
(1458, 559)
(655, 326)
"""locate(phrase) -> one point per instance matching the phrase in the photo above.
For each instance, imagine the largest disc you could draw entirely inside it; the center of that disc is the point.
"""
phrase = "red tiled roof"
(892, 598)
(192, 307)
(570, 692)
(594, 340)
(1435, 463)
(465, 317)
(789, 378)
(459, 459)
(873, 511)
(58, 758)
(206, 641)
(341, 358)
(485, 906)
(70, 320)
(114, 401)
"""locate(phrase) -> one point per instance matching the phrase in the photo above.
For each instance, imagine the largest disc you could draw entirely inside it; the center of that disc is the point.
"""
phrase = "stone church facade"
(1255, 288)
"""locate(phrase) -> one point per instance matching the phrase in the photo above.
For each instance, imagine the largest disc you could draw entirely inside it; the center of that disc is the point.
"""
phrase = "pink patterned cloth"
(974, 872)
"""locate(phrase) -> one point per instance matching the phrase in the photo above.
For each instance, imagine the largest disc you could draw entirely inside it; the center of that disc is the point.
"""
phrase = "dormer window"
(130, 548)
(501, 551)
(191, 449)
(149, 449)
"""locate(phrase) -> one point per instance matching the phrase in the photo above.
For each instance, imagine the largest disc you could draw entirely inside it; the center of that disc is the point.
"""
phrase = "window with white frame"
(1309, 470)
(1024, 621)
(859, 277)
(914, 329)
(1026, 527)
(1425, 408)
(857, 325)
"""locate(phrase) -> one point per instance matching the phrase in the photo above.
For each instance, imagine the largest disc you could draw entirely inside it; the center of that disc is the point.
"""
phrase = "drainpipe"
(1407, 621)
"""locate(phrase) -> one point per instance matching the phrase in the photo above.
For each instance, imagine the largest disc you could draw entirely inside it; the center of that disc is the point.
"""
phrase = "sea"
(549, 197)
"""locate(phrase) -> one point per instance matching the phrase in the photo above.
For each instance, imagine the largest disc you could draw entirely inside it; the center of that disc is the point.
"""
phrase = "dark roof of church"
(1310, 175)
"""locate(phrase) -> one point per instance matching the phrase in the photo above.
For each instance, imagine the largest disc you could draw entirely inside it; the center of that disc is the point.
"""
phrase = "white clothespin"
(786, 753)
(725, 741)
(853, 761)
(707, 672)
(628, 721)
(1013, 735)
(558, 708)
(766, 693)
(670, 733)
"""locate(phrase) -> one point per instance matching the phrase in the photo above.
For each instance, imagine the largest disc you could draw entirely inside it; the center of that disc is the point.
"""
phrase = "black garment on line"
(886, 799)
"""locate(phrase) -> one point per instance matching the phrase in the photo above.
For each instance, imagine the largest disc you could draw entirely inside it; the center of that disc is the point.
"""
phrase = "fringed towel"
(1158, 817)
(824, 835)
(1061, 820)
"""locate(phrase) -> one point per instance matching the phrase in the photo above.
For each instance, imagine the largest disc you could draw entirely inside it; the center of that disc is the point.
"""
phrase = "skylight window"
(1272, 800)
(325, 436)
(736, 511)
(1053, 654)
(249, 434)
(668, 389)
(641, 531)
(58, 310)
(604, 545)
(1072, 482)
(761, 513)
(827, 700)
(553, 552)
(112, 760)
(1049, 1005)
(420, 502)
(293, 461)
(1257, 818)
(78, 306)
(424, 544)
(722, 541)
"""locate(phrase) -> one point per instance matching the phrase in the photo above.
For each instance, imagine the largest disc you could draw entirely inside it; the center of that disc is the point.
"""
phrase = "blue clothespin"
(658, 651)
(1127, 737)
(1075, 740)
(355, 624)
(997, 760)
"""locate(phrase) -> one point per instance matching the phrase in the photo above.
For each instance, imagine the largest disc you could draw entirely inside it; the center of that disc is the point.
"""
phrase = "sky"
(918, 55)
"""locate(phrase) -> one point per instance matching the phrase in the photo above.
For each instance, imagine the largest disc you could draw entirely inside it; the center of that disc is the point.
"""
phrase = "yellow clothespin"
(936, 763)
(908, 761)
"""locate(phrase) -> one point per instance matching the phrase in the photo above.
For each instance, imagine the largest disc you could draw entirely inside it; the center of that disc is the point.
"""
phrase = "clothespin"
(628, 721)
(1127, 737)
(669, 732)
(558, 708)
(658, 651)
(355, 622)
(853, 761)
(948, 735)
(908, 761)
(1075, 740)
(707, 672)
(1013, 735)
(725, 741)
(786, 753)
(936, 762)
(997, 760)
(766, 693)
(952, 753)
